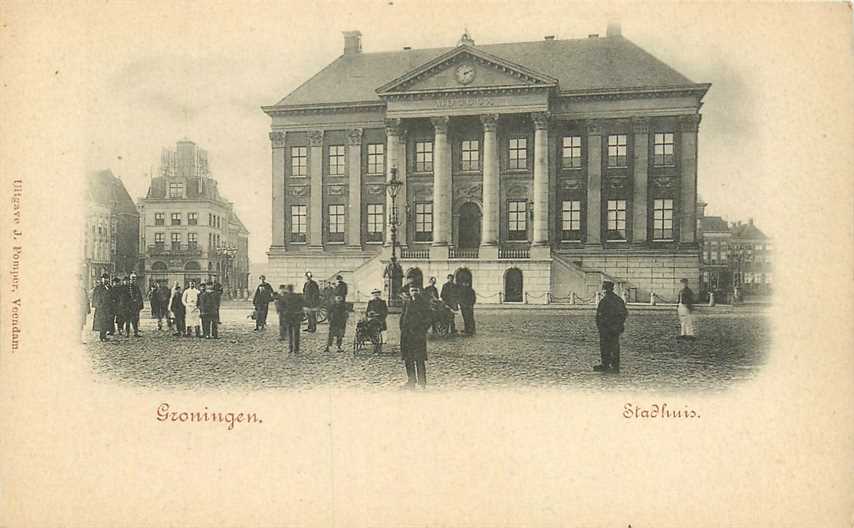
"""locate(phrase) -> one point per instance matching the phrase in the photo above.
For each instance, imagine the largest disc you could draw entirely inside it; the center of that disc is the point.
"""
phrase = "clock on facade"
(465, 73)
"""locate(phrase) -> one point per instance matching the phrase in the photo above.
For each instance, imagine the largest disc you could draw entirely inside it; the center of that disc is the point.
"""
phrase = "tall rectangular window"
(298, 223)
(376, 158)
(663, 150)
(724, 251)
(571, 220)
(176, 241)
(299, 162)
(617, 150)
(159, 219)
(662, 223)
(192, 218)
(518, 153)
(616, 219)
(336, 223)
(176, 219)
(470, 155)
(192, 240)
(158, 240)
(336, 160)
(423, 156)
(517, 220)
(424, 221)
(571, 152)
(176, 190)
(376, 222)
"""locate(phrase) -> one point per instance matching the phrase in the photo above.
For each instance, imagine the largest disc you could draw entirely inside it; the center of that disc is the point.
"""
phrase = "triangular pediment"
(466, 68)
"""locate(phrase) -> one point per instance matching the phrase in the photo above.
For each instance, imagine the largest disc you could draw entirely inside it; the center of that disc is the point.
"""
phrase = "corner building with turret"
(537, 169)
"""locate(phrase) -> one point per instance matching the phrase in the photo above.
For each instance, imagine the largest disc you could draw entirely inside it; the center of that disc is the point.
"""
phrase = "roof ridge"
(310, 79)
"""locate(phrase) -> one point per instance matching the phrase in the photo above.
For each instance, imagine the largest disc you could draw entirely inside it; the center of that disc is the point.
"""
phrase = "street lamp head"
(393, 185)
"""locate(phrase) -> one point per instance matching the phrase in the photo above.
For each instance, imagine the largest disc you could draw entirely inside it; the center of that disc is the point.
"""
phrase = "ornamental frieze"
(315, 138)
(663, 182)
(617, 184)
(298, 190)
(469, 191)
(277, 138)
(422, 192)
(570, 184)
(376, 189)
(355, 136)
(336, 190)
(517, 191)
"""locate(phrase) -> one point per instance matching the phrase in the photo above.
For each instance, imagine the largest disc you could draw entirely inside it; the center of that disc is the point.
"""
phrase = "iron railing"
(463, 253)
(514, 253)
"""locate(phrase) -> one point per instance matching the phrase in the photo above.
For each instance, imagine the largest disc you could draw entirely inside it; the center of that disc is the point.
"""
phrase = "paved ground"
(512, 348)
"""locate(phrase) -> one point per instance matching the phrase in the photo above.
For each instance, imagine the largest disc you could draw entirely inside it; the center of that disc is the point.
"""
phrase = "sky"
(202, 71)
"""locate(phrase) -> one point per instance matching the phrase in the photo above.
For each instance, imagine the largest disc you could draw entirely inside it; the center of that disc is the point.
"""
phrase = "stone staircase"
(571, 277)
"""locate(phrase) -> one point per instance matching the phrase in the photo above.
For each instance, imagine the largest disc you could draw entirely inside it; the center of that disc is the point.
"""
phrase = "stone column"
(277, 139)
(541, 178)
(354, 169)
(688, 126)
(640, 200)
(316, 212)
(441, 187)
(594, 183)
(491, 206)
(402, 197)
(392, 133)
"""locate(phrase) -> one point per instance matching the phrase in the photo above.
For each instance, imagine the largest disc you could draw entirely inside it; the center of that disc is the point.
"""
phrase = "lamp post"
(228, 252)
(393, 272)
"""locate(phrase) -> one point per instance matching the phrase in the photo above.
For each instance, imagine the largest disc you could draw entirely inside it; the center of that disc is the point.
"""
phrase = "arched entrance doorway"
(469, 229)
(413, 275)
(513, 286)
(463, 276)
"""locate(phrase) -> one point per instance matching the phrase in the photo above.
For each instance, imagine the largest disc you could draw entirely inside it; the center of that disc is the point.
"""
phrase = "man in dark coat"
(163, 298)
(205, 304)
(467, 298)
(216, 302)
(136, 303)
(311, 297)
(290, 306)
(450, 297)
(414, 322)
(121, 302)
(337, 316)
(261, 301)
(376, 313)
(611, 316)
(102, 302)
(685, 310)
(340, 289)
(179, 311)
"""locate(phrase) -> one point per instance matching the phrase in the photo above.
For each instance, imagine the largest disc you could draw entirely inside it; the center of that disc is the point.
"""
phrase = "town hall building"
(537, 169)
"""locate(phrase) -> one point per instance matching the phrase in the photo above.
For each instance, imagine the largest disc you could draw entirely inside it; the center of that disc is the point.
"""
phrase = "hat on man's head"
(262, 277)
(308, 274)
(339, 277)
(684, 281)
(105, 276)
(116, 279)
(608, 285)
(376, 290)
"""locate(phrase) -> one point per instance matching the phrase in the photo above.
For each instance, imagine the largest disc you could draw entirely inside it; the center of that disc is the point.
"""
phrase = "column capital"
(594, 128)
(689, 123)
(315, 138)
(392, 126)
(640, 125)
(541, 120)
(355, 136)
(490, 121)
(440, 124)
(277, 138)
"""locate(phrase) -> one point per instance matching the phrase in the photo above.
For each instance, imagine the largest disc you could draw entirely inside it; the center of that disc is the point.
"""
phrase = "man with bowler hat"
(611, 316)
(311, 298)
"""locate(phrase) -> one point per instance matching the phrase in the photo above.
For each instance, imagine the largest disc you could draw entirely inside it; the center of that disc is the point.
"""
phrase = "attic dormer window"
(176, 190)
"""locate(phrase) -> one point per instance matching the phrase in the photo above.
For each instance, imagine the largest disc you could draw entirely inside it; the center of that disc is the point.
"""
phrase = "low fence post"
(711, 298)
(548, 297)
(500, 297)
(526, 297)
(652, 298)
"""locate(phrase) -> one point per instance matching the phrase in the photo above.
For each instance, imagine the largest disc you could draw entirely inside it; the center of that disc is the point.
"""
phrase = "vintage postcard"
(395, 263)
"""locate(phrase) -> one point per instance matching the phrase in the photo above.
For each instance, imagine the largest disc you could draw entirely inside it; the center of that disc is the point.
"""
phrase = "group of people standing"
(117, 304)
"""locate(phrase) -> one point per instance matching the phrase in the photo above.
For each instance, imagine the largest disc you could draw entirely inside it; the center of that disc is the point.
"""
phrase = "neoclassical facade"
(537, 168)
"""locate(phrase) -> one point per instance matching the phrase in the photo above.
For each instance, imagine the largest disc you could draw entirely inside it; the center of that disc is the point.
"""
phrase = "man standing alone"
(190, 299)
(261, 301)
(414, 322)
(311, 297)
(611, 316)
(467, 298)
(290, 308)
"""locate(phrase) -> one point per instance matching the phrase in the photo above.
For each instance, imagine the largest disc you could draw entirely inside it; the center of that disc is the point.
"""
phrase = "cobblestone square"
(513, 348)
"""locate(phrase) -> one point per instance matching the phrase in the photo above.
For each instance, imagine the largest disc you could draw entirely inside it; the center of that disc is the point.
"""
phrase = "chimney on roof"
(614, 29)
(549, 37)
(352, 42)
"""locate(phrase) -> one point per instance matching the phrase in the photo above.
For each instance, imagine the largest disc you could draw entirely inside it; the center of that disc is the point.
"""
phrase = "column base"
(541, 252)
(439, 252)
(489, 252)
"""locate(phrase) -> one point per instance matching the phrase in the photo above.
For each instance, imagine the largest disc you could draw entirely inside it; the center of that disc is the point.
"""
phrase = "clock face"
(465, 73)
